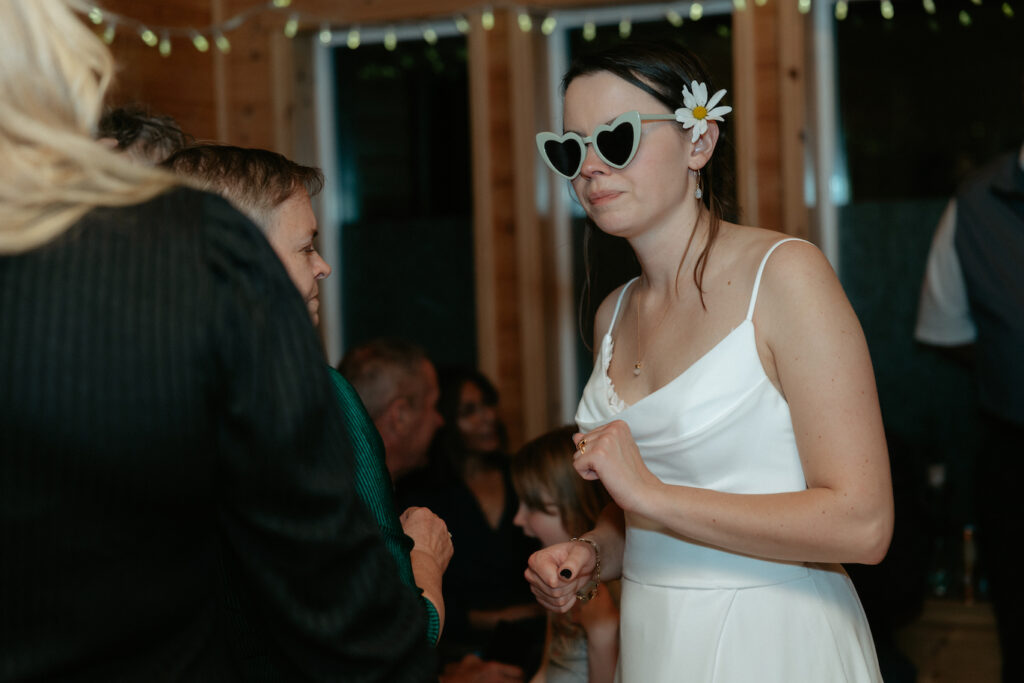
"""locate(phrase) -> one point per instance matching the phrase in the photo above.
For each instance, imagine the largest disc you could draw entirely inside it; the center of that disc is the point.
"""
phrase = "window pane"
(406, 196)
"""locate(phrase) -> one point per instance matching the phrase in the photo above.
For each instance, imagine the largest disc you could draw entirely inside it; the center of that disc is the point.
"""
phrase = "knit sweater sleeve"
(373, 484)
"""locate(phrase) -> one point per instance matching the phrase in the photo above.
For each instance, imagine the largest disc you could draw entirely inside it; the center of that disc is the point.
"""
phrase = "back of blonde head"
(54, 73)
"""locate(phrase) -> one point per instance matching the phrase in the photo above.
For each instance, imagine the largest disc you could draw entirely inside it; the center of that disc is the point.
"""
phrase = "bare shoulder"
(797, 271)
(800, 297)
(741, 248)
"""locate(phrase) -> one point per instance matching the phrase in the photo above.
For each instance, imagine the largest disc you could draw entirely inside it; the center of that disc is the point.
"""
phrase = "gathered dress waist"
(659, 558)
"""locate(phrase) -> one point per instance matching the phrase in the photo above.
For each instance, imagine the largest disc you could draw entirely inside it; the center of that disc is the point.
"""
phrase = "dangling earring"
(699, 193)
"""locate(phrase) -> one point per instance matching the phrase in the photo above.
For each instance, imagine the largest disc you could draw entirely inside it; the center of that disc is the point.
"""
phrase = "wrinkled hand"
(429, 534)
(610, 454)
(472, 669)
(558, 572)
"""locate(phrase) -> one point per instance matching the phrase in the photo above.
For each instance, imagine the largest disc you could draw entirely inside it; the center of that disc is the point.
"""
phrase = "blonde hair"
(54, 73)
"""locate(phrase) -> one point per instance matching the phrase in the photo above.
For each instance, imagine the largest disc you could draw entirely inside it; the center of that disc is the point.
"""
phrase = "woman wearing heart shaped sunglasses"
(731, 414)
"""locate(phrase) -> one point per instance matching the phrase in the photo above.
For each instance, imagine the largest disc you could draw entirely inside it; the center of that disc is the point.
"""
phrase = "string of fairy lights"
(110, 24)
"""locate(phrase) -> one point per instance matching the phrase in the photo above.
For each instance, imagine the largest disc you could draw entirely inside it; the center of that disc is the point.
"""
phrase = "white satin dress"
(696, 613)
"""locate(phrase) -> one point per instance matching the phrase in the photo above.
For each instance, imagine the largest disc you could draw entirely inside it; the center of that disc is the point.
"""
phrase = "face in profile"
(477, 420)
(291, 232)
(544, 524)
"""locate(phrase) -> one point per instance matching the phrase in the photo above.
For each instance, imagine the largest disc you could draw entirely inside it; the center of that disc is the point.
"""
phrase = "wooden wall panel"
(792, 118)
(367, 11)
(770, 66)
(497, 258)
(249, 75)
(181, 85)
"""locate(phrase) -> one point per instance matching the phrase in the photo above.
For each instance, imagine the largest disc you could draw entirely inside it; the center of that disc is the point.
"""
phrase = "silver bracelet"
(589, 591)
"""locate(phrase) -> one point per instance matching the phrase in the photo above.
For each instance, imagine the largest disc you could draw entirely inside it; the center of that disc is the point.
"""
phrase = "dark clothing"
(485, 572)
(176, 495)
(1000, 525)
(989, 243)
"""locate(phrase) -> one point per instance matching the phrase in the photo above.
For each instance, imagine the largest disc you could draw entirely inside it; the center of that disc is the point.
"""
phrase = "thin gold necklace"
(638, 366)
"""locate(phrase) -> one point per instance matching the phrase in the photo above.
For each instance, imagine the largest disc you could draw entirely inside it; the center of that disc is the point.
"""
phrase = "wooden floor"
(953, 643)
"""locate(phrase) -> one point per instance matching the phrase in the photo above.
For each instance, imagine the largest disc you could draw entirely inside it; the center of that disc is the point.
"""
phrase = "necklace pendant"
(636, 368)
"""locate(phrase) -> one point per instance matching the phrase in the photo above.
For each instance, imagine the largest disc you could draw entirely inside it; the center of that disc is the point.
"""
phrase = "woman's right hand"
(558, 572)
(429, 534)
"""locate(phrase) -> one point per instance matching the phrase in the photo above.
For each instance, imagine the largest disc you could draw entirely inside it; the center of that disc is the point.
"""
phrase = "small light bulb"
(1007, 10)
(887, 9)
(96, 15)
(462, 24)
(353, 39)
(589, 31)
(674, 18)
(625, 27)
(200, 41)
(148, 37)
(222, 42)
(964, 18)
(525, 22)
(804, 6)
(842, 10)
(929, 6)
(487, 19)
(430, 35)
(108, 33)
(325, 35)
(740, 5)
(696, 11)
(547, 27)
(291, 27)
(390, 41)
(165, 45)
(281, 4)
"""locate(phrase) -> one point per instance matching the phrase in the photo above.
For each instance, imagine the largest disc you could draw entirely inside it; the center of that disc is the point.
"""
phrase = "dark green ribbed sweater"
(373, 484)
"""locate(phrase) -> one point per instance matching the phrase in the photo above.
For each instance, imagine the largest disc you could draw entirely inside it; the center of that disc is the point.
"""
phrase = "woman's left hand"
(610, 454)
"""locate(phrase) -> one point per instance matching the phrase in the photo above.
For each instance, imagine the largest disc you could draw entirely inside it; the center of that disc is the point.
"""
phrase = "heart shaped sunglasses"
(615, 144)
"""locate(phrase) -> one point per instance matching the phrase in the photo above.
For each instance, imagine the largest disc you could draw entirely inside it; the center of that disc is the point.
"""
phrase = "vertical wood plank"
(220, 78)
(745, 80)
(531, 302)
(793, 119)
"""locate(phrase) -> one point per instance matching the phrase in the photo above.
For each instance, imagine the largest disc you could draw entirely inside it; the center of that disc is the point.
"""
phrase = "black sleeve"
(306, 562)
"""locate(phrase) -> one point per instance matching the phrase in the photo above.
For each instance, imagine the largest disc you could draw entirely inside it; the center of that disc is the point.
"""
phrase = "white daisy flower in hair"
(698, 110)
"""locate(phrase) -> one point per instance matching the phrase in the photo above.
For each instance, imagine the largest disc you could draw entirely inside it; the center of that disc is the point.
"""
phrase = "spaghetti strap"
(615, 313)
(760, 270)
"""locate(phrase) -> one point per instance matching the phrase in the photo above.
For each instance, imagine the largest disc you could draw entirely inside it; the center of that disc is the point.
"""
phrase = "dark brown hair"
(154, 136)
(256, 181)
(661, 70)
